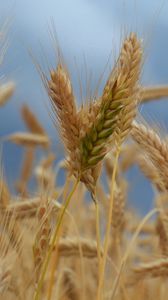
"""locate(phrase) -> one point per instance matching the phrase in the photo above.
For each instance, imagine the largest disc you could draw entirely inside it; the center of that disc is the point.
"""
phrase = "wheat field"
(82, 240)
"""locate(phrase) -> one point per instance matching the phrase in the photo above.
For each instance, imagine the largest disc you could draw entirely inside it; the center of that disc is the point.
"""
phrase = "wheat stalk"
(3, 40)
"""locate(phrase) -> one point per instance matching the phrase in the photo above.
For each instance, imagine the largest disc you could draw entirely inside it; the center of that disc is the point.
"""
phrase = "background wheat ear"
(42, 238)
(155, 148)
(6, 91)
(31, 121)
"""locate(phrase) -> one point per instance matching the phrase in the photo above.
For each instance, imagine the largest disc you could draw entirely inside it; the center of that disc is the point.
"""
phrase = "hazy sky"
(88, 31)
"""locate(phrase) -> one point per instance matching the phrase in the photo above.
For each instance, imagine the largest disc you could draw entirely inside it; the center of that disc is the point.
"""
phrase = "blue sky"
(88, 31)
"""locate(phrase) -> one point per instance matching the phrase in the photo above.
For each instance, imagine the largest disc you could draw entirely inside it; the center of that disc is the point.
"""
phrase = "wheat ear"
(69, 286)
(31, 121)
(64, 112)
(150, 171)
(158, 268)
(28, 139)
(120, 90)
(6, 266)
(154, 147)
(6, 91)
(114, 112)
(162, 228)
(41, 243)
(26, 171)
(68, 121)
(26, 209)
(70, 247)
(156, 92)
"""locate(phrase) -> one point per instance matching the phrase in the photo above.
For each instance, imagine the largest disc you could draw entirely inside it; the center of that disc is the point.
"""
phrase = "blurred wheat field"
(54, 243)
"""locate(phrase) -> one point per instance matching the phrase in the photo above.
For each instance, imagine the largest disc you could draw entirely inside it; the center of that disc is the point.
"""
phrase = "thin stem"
(54, 266)
(103, 263)
(82, 267)
(98, 234)
(55, 258)
(126, 255)
(56, 232)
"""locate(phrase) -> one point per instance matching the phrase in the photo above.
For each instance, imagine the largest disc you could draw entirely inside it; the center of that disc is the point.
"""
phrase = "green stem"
(98, 234)
(103, 263)
(56, 232)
